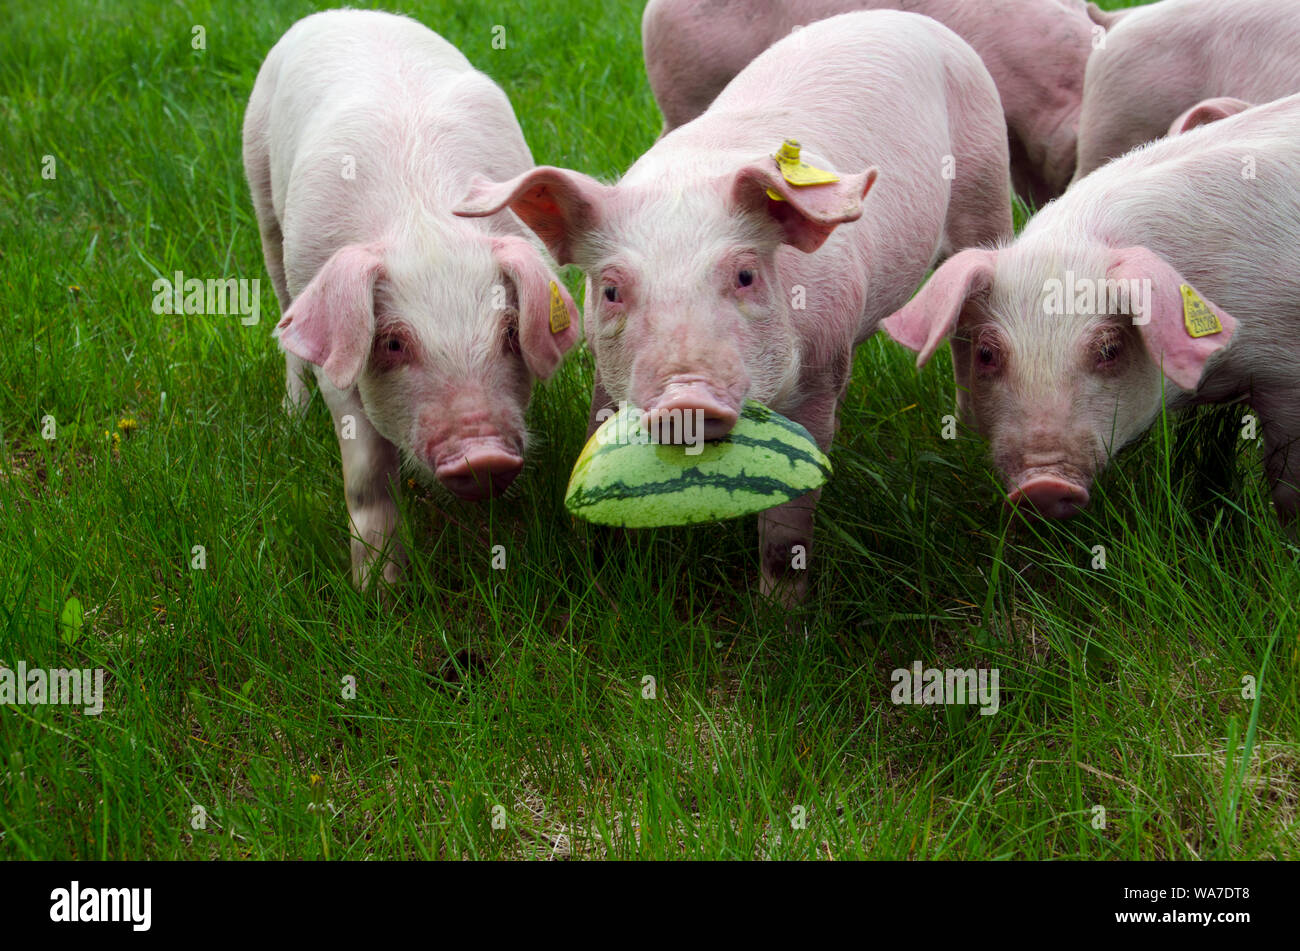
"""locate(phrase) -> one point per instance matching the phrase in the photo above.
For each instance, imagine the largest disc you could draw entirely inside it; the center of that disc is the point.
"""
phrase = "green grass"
(523, 688)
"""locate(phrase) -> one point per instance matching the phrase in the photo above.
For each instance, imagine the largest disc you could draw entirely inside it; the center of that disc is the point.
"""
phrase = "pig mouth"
(689, 409)
(1050, 491)
(479, 470)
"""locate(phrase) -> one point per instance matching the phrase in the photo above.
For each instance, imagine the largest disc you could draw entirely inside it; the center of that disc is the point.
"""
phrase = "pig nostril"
(479, 476)
(717, 425)
(1050, 496)
(690, 412)
(684, 424)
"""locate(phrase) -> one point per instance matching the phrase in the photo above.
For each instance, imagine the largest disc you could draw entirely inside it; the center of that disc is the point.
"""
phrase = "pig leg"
(784, 544)
(258, 165)
(370, 483)
(1282, 455)
(600, 400)
(979, 211)
(785, 532)
(296, 395)
(1025, 180)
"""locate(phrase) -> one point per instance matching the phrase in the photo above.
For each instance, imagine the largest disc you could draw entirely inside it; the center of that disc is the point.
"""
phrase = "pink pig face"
(686, 308)
(1058, 354)
(442, 347)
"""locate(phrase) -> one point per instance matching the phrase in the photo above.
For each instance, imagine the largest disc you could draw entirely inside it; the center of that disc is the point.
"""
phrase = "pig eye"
(988, 357)
(611, 294)
(1108, 351)
(391, 351)
(745, 278)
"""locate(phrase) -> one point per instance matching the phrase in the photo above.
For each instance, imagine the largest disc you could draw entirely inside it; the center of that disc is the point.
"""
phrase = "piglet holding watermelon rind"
(713, 278)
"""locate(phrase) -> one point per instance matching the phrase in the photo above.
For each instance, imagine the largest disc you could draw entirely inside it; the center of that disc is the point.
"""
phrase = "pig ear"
(1203, 113)
(807, 214)
(1105, 18)
(332, 322)
(548, 319)
(1176, 311)
(557, 204)
(930, 316)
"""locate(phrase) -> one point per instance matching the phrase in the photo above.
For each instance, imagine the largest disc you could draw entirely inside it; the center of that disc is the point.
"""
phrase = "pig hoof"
(787, 590)
(295, 404)
(367, 576)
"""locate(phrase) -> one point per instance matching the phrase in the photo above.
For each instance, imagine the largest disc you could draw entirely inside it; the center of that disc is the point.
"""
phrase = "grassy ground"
(524, 689)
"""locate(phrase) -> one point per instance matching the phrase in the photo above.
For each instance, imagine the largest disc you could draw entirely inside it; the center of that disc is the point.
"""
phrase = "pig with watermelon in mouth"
(726, 266)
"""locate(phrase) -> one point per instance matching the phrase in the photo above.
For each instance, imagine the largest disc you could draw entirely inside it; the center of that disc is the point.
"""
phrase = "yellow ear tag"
(1197, 316)
(797, 172)
(559, 312)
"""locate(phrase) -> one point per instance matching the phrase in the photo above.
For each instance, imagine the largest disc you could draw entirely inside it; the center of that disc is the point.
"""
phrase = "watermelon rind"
(621, 478)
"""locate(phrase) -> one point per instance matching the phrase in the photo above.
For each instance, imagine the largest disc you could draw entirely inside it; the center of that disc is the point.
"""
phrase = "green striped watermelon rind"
(764, 461)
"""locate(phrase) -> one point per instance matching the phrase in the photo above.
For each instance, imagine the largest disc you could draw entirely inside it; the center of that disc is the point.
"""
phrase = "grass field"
(225, 730)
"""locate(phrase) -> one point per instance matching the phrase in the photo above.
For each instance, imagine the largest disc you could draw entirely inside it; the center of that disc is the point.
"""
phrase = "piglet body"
(424, 331)
(1035, 50)
(713, 279)
(1167, 276)
(1160, 60)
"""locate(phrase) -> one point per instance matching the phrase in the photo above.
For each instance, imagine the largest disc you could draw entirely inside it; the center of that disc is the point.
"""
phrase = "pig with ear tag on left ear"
(425, 331)
(1165, 278)
(729, 265)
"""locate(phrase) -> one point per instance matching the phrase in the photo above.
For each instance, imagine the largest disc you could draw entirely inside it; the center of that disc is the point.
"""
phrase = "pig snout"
(689, 410)
(473, 445)
(1048, 458)
(479, 471)
(1053, 492)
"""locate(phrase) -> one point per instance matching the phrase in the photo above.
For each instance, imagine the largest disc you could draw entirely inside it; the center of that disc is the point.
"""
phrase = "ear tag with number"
(559, 312)
(797, 172)
(1197, 316)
